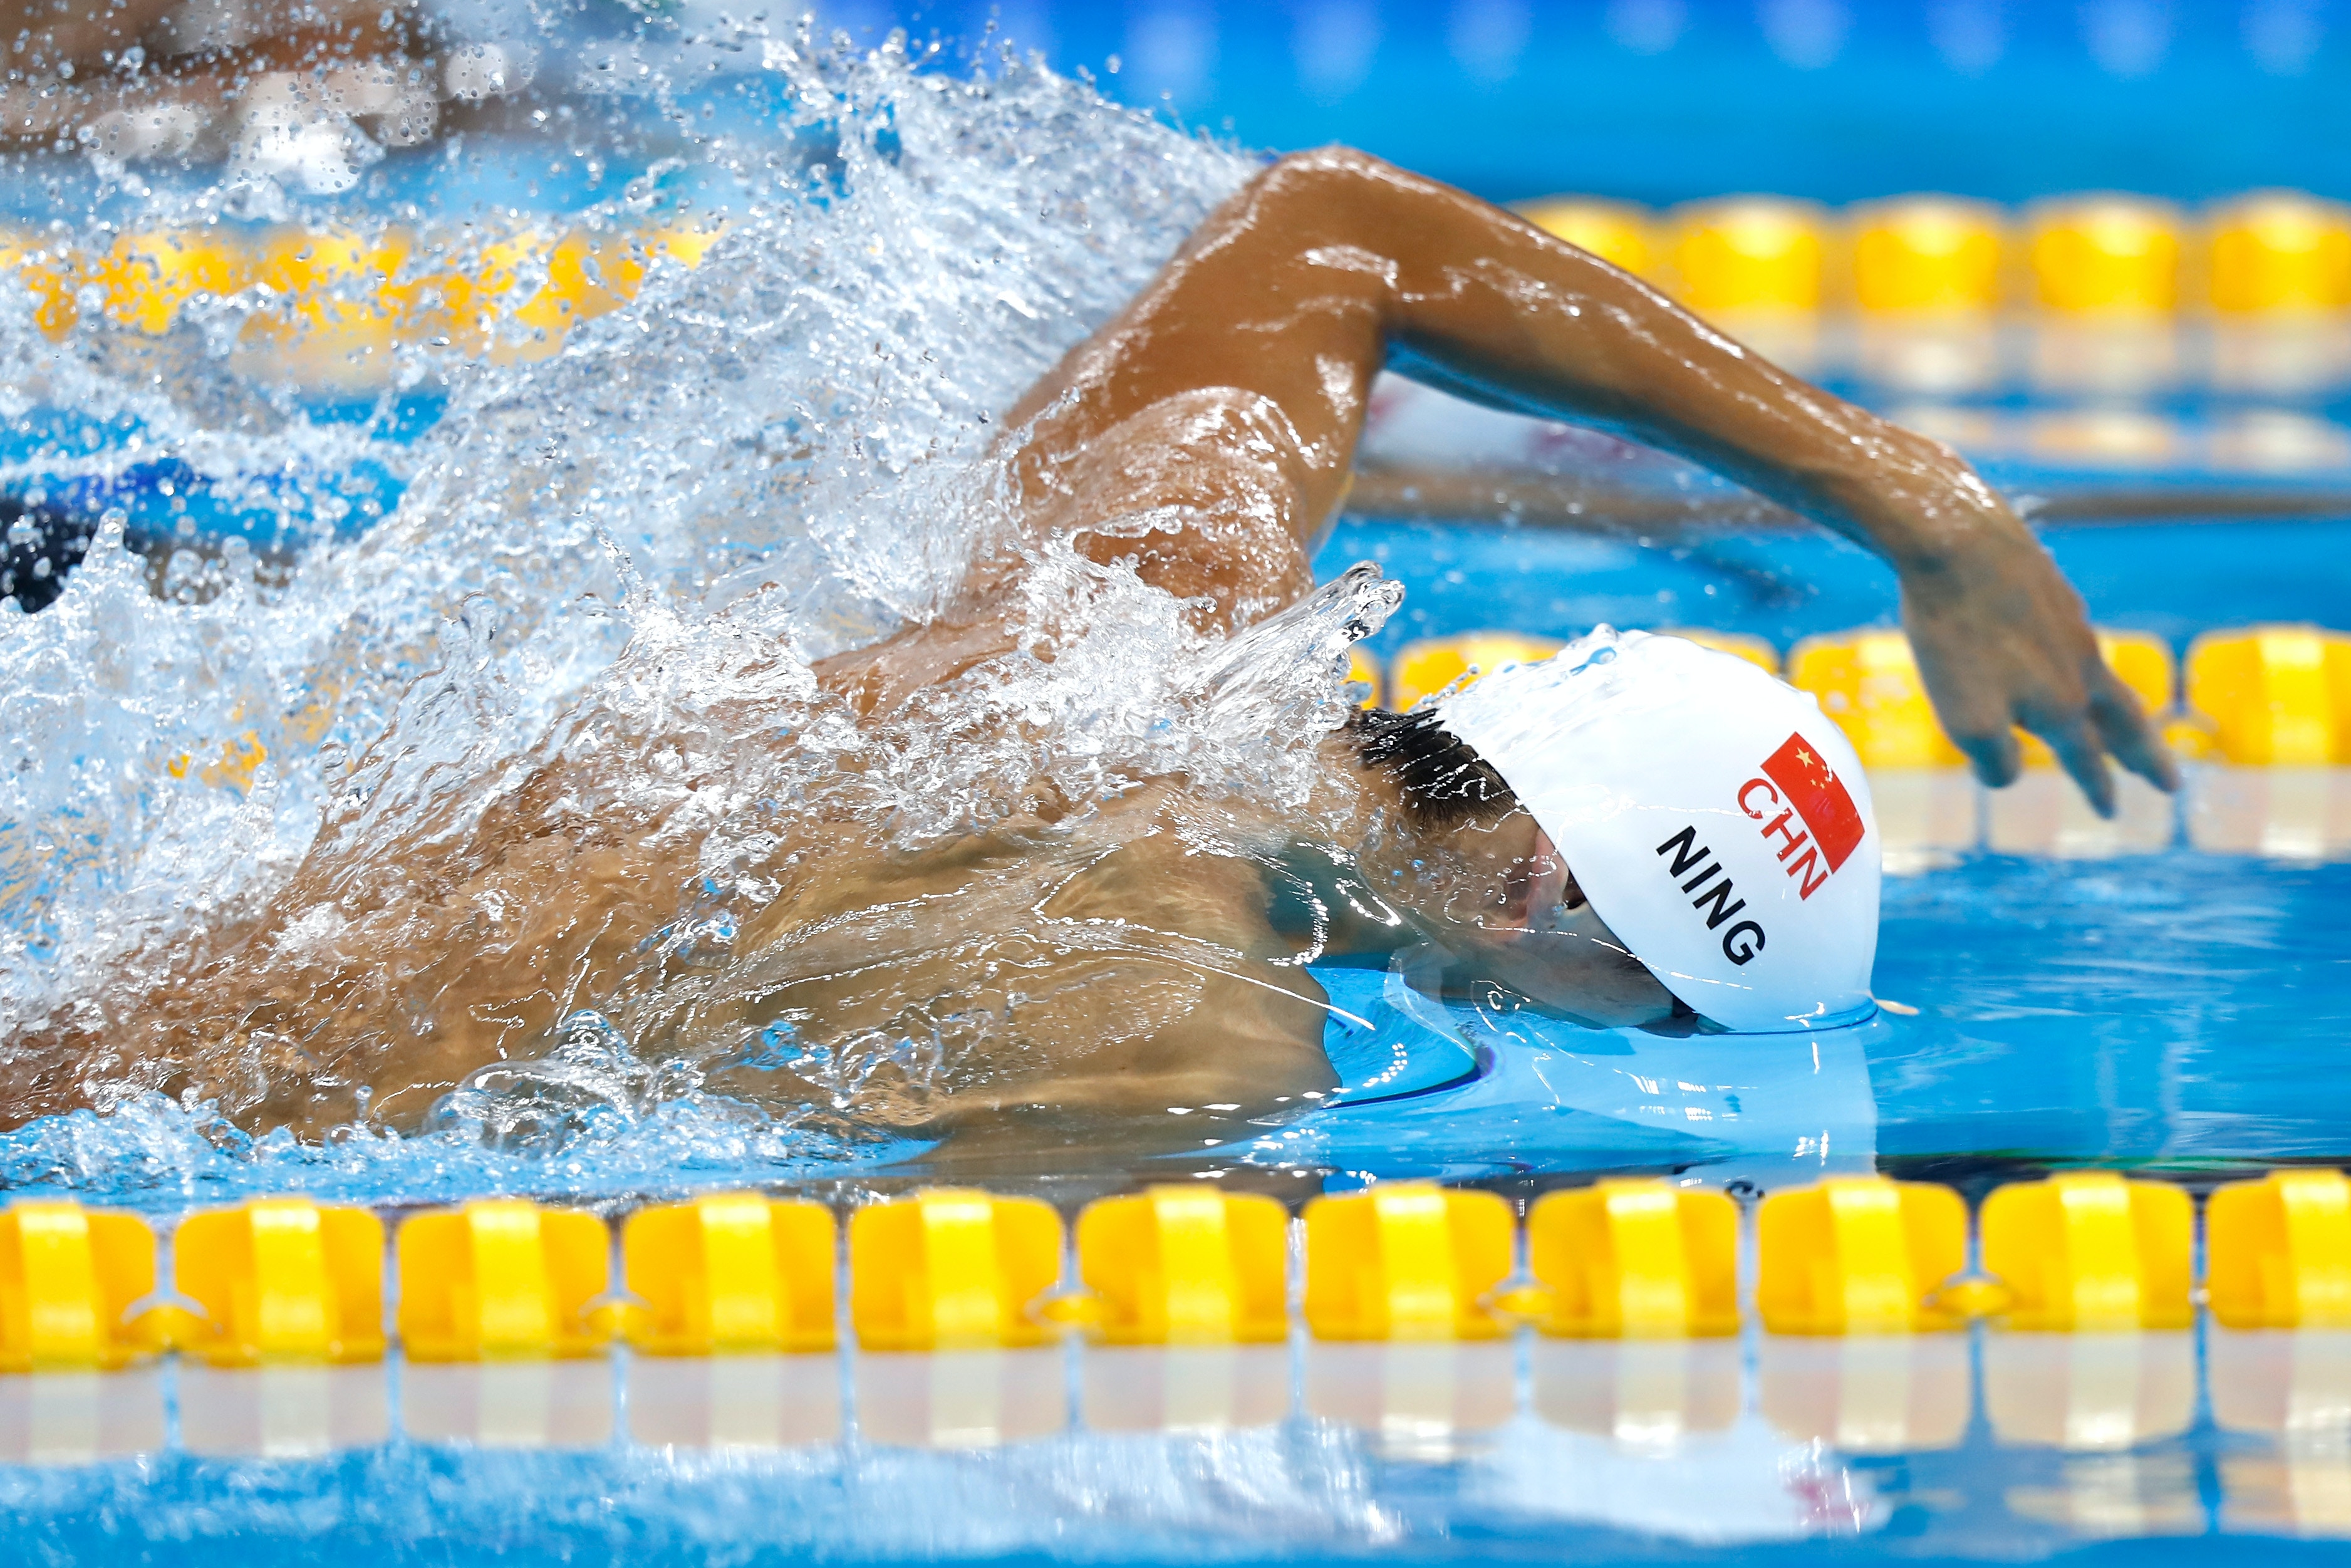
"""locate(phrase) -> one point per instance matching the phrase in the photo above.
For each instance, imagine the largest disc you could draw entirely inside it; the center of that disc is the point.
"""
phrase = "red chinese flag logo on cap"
(1811, 786)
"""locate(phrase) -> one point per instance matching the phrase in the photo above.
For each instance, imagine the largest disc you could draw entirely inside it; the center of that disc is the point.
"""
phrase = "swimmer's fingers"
(1991, 749)
(2079, 753)
(1973, 696)
(2124, 726)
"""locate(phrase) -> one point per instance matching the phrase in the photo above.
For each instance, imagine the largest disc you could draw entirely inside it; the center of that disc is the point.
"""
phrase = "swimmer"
(1127, 973)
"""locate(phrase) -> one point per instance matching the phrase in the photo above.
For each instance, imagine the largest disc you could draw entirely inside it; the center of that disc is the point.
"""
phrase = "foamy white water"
(626, 548)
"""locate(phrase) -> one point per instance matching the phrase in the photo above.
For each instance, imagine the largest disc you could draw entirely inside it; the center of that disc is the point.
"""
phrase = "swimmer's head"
(1687, 808)
(1489, 886)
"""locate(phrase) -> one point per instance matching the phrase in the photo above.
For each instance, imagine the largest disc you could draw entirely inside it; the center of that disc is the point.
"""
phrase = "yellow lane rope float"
(328, 305)
(286, 1280)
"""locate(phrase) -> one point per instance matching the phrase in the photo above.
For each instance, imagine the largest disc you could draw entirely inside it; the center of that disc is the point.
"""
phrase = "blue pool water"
(2173, 578)
(1290, 1494)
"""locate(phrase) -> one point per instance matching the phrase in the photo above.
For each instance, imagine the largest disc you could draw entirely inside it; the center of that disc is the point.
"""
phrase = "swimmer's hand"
(2003, 644)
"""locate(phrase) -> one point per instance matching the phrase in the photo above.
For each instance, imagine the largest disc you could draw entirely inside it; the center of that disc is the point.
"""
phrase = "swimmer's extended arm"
(1521, 318)
(1299, 288)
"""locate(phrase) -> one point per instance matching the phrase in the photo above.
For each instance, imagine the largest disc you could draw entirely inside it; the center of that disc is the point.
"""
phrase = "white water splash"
(631, 545)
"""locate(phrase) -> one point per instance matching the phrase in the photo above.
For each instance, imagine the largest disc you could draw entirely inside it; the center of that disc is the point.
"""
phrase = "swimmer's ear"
(1525, 886)
(1538, 882)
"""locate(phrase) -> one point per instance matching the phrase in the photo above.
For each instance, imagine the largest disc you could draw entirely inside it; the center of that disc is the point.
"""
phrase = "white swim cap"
(1715, 818)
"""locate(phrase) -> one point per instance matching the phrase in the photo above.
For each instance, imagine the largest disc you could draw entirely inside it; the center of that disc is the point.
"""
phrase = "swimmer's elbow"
(1322, 170)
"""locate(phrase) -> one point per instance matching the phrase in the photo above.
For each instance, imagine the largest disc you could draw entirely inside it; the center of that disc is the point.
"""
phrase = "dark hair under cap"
(1444, 783)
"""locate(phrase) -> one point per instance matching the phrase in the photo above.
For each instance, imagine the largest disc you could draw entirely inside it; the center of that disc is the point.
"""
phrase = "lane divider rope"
(286, 1280)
